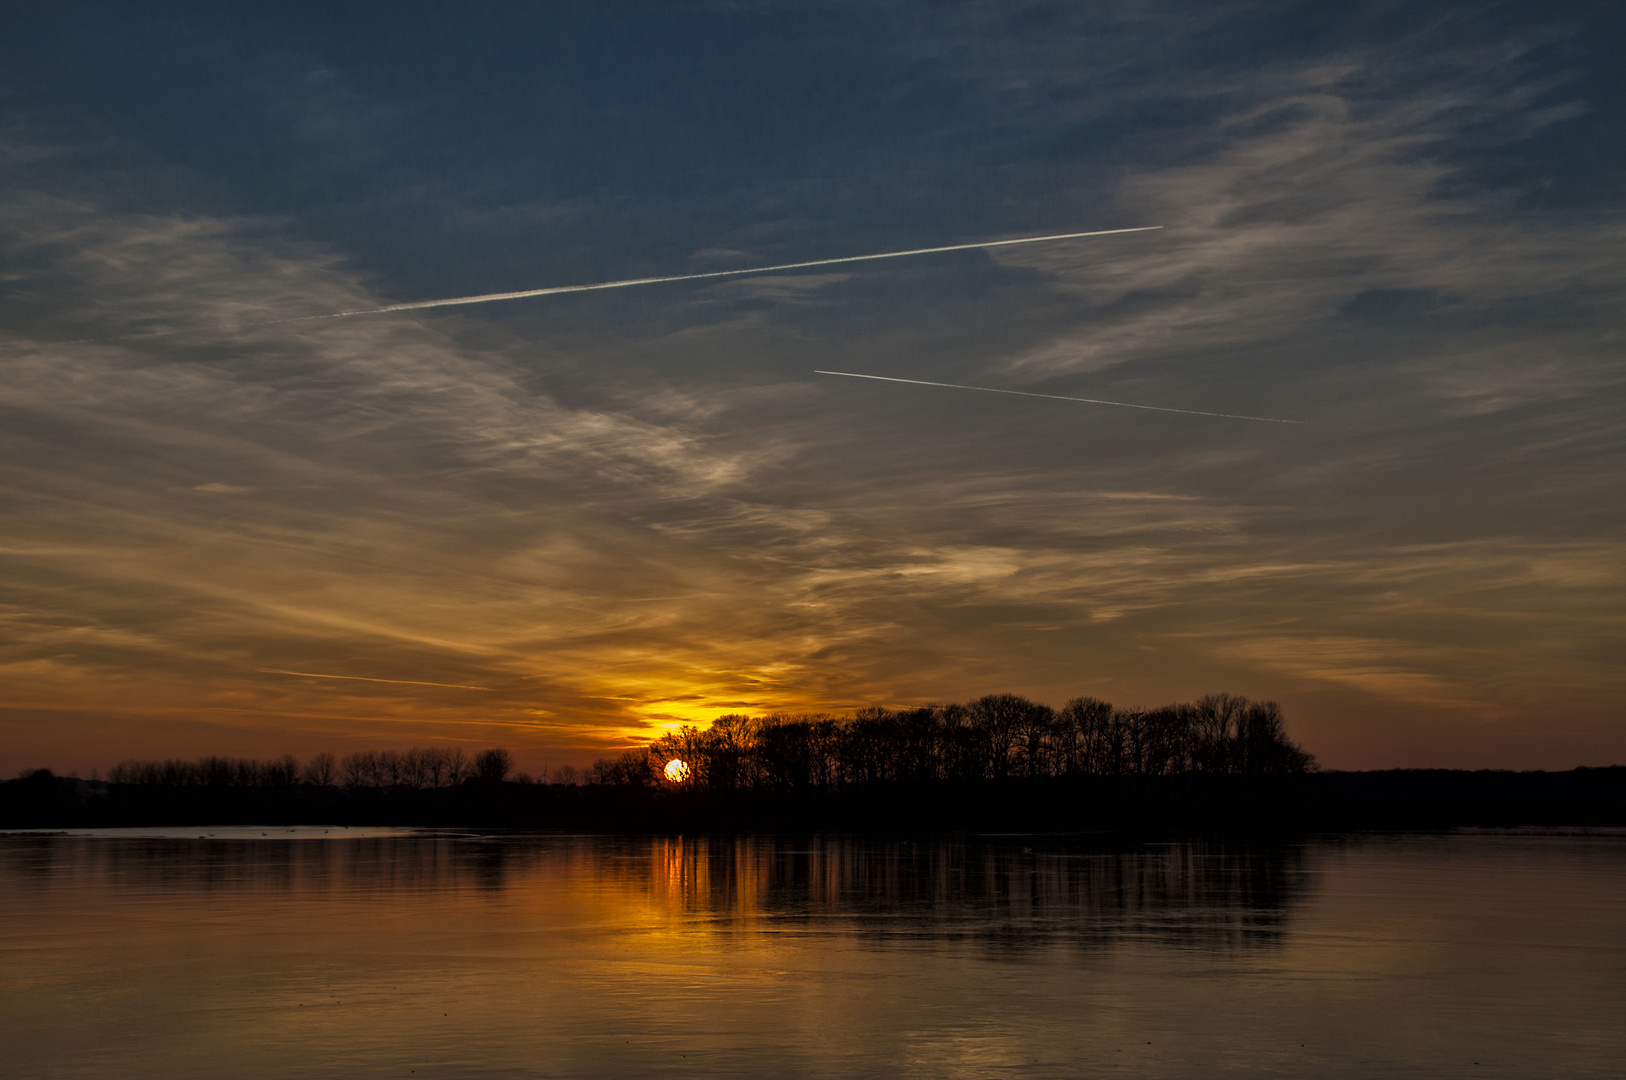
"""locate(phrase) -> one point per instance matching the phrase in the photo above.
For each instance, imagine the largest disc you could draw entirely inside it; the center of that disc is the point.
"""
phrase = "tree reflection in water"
(1012, 893)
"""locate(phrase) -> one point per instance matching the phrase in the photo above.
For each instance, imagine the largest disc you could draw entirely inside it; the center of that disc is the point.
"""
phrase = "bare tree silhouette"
(493, 766)
(321, 770)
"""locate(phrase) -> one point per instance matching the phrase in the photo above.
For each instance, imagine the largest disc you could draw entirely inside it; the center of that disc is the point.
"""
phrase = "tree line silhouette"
(995, 737)
(419, 768)
(999, 763)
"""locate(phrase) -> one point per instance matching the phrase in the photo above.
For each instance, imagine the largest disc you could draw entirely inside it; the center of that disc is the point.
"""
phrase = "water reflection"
(599, 957)
(1012, 894)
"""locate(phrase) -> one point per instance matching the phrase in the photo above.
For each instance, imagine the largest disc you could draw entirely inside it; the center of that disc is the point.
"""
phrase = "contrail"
(360, 678)
(487, 298)
(556, 290)
(1061, 397)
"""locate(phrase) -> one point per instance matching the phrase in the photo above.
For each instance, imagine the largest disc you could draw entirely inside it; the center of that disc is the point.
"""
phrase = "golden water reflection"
(599, 956)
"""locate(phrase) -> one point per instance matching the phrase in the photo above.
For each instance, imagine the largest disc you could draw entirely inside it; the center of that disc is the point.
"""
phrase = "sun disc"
(677, 771)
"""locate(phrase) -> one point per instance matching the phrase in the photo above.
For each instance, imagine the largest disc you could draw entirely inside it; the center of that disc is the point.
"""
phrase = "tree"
(630, 768)
(1214, 731)
(283, 772)
(998, 718)
(1033, 740)
(320, 770)
(493, 766)
(415, 768)
(1083, 737)
(783, 752)
(1263, 744)
(360, 769)
(435, 764)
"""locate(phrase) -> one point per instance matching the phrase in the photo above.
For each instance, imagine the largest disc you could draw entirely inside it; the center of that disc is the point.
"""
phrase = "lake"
(345, 953)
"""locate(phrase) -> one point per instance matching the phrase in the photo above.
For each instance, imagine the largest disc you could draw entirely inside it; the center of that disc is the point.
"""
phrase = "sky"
(566, 524)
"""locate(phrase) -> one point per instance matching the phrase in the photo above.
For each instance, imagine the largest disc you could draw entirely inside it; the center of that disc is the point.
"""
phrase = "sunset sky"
(567, 523)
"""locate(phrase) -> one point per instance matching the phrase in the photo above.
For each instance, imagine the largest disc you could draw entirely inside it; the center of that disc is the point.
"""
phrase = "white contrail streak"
(363, 678)
(487, 298)
(556, 290)
(1061, 397)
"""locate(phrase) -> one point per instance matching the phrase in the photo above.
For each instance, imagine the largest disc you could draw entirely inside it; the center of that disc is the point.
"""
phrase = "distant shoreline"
(1401, 799)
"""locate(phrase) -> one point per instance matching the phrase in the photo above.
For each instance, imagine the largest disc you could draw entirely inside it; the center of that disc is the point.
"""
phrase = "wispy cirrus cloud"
(612, 517)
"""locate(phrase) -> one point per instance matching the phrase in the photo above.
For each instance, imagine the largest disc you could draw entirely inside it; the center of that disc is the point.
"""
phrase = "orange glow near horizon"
(252, 536)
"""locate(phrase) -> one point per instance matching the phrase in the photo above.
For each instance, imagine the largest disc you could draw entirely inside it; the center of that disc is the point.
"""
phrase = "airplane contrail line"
(1061, 397)
(363, 678)
(555, 290)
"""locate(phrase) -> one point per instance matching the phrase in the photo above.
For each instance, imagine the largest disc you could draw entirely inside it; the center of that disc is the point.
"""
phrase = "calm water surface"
(259, 953)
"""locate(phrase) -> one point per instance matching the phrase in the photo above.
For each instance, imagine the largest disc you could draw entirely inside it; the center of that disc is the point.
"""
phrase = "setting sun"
(677, 771)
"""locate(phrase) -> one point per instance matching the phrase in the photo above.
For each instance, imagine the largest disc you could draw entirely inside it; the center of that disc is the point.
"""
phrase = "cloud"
(609, 519)
(407, 490)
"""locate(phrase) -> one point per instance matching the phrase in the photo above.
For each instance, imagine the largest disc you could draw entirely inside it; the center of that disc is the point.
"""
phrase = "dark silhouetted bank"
(1000, 763)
